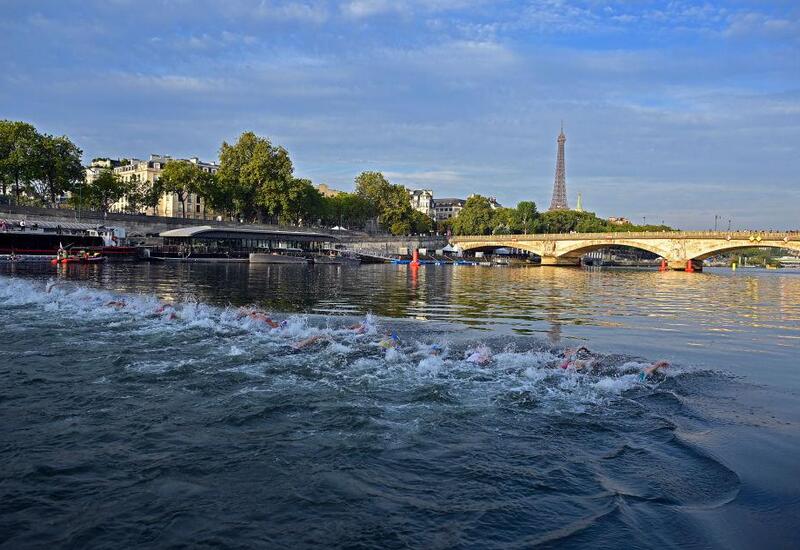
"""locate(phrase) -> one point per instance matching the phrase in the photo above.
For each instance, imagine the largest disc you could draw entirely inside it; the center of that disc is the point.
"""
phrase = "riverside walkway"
(680, 249)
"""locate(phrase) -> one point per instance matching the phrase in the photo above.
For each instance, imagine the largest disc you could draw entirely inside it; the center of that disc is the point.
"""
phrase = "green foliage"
(19, 142)
(347, 209)
(57, 168)
(391, 203)
(253, 175)
(299, 202)
(476, 218)
(106, 189)
(182, 178)
(42, 166)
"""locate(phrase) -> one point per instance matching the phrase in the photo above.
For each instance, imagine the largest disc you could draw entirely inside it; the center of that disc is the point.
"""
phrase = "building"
(98, 165)
(326, 191)
(619, 221)
(146, 172)
(559, 201)
(422, 201)
(444, 209)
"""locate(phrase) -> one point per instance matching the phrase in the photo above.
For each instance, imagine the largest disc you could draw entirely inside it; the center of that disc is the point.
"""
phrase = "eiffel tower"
(559, 201)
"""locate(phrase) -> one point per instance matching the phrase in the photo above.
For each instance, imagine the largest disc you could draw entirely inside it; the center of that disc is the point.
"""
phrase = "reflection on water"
(717, 317)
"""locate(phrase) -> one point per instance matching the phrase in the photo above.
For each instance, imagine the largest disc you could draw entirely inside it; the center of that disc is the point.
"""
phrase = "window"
(197, 208)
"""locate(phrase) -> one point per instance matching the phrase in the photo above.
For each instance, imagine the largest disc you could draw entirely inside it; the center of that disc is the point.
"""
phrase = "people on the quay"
(652, 370)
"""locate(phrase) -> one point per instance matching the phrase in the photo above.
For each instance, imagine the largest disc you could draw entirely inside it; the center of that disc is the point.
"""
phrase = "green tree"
(300, 203)
(182, 178)
(421, 223)
(18, 146)
(347, 210)
(252, 175)
(100, 194)
(476, 218)
(57, 168)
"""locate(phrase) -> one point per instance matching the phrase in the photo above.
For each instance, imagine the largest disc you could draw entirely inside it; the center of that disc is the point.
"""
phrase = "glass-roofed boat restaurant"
(205, 239)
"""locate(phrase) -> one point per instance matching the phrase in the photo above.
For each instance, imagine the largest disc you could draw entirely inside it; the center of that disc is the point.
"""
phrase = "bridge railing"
(734, 235)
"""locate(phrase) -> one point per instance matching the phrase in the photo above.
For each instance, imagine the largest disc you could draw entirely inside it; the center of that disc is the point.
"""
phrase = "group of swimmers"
(579, 359)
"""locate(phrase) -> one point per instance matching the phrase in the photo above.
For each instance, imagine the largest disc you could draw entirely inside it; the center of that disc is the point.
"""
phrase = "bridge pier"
(562, 261)
(682, 265)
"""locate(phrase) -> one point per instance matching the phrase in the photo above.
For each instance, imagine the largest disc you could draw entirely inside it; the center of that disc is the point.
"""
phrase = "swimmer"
(571, 358)
(390, 341)
(435, 350)
(652, 370)
(162, 307)
(311, 340)
(480, 355)
(50, 286)
(116, 304)
(256, 315)
(359, 328)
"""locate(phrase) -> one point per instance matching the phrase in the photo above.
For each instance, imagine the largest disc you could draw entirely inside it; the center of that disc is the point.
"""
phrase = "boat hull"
(263, 258)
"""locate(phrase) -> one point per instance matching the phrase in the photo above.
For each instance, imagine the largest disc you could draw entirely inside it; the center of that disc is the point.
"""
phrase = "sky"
(673, 110)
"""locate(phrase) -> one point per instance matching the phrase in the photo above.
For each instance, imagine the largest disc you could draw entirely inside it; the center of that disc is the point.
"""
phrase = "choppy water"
(125, 425)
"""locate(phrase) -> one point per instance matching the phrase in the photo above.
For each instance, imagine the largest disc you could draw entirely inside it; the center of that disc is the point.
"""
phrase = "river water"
(128, 423)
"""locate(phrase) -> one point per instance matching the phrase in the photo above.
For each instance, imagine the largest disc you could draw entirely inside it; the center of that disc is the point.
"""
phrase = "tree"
(57, 168)
(252, 175)
(347, 209)
(374, 187)
(526, 217)
(18, 144)
(476, 218)
(106, 189)
(390, 202)
(300, 202)
(182, 178)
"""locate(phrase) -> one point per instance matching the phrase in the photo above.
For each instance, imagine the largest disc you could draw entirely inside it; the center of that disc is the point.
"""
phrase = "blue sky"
(673, 110)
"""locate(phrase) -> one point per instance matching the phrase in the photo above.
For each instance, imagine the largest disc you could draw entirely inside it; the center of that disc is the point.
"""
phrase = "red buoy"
(415, 258)
(663, 266)
(689, 266)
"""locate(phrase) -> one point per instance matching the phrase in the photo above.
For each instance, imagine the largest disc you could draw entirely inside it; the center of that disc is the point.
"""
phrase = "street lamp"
(644, 220)
(716, 218)
(729, 224)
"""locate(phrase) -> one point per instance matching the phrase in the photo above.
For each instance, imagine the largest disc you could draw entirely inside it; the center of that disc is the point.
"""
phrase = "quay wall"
(138, 227)
(390, 245)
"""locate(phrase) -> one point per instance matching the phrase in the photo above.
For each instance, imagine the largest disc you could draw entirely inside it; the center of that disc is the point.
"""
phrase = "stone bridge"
(678, 248)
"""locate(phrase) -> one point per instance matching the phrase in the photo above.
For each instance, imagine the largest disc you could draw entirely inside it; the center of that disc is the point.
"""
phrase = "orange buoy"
(663, 266)
(689, 266)
(415, 258)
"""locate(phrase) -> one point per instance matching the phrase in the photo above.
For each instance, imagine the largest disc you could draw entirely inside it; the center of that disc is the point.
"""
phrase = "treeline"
(479, 218)
(255, 183)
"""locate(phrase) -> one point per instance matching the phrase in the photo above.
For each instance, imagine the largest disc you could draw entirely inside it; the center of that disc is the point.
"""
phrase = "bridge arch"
(574, 250)
(532, 247)
(713, 250)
